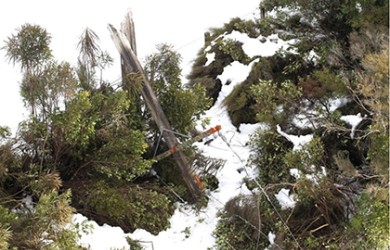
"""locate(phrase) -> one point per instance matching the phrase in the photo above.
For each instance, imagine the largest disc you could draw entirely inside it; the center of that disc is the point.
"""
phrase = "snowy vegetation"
(302, 162)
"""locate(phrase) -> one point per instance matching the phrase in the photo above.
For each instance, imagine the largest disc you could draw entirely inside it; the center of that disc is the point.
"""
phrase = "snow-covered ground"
(188, 227)
(191, 229)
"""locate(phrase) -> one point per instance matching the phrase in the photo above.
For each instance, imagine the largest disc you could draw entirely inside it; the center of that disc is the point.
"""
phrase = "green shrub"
(129, 207)
(370, 226)
(268, 150)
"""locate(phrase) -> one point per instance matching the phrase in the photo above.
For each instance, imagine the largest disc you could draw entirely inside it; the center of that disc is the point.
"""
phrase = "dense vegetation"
(88, 145)
(338, 51)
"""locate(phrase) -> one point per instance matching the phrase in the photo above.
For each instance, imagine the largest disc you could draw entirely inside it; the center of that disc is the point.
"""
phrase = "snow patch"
(297, 140)
(295, 173)
(236, 72)
(337, 103)
(28, 203)
(94, 240)
(353, 121)
(210, 58)
(285, 199)
(260, 46)
(271, 237)
(233, 74)
(313, 57)
(323, 171)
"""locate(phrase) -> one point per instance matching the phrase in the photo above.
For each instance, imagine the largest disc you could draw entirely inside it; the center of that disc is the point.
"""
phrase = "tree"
(183, 106)
(30, 48)
(91, 58)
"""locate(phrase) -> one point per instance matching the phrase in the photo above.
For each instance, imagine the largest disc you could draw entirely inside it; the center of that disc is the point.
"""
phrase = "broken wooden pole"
(129, 58)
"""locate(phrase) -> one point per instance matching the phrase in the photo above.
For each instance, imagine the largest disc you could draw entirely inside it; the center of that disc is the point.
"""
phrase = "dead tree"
(125, 43)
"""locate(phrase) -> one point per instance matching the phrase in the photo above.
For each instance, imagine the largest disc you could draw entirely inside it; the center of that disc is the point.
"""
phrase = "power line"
(261, 189)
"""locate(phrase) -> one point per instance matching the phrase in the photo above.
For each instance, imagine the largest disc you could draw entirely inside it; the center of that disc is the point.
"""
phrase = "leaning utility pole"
(125, 43)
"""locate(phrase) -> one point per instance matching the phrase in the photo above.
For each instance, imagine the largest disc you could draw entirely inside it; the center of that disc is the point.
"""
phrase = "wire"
(158, 144)
(170, 189)
(244, 220)
(261, 189)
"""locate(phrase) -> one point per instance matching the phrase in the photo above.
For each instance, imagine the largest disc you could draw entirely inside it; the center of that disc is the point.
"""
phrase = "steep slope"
(190, 227)
(314, 165)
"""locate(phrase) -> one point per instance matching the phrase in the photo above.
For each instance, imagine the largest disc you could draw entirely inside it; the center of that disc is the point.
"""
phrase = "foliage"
(29, 47)
(308, 159)
(268, 149)
(182, 106)
(135, 245)
(45, 82)
(78, 121)
(84, 134)
(91, 58)
(371, 223)
(49, 89)
(372, 94)
(274, 101)
(349, 41)
(229, 234)
(130, 207)
(4, 132)
(234, 49)
(323, 84)
(46, 226)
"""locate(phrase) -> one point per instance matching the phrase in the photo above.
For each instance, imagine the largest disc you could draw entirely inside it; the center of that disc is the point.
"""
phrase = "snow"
(210, 58)
(235, 72)
(313, 57)
(191, 229)
(337, 103)
(254, 46)
(202, 224)
(28, 203)
(95, 239)
(271, 237)
(297, 140)
(285, 199)
(295, 173)
(353, 121)
(314, 177)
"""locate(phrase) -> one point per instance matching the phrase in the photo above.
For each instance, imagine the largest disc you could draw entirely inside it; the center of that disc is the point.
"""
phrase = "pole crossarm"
(187, 143)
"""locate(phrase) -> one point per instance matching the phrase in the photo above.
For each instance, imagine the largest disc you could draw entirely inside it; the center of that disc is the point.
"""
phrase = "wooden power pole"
(125, 43)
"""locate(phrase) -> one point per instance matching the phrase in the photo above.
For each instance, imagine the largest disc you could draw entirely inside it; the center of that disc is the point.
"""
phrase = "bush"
(268, 150)
(370, 226)
(130, 207)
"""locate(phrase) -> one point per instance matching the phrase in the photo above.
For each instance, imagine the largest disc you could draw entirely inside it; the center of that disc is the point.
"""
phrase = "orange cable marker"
(198, 181)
